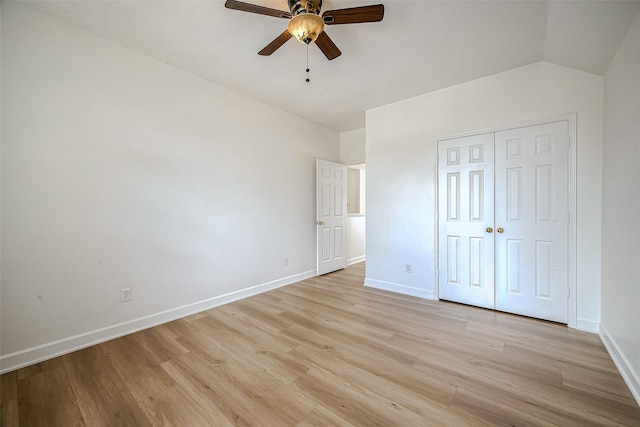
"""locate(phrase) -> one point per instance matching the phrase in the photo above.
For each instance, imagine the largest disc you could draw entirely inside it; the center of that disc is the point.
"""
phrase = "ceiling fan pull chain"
(308, 65)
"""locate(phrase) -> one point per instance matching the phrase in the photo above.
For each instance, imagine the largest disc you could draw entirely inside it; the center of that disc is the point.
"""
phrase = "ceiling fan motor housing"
(305, 6)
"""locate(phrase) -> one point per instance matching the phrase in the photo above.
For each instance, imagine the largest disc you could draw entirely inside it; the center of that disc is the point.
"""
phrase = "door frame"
(571, 119)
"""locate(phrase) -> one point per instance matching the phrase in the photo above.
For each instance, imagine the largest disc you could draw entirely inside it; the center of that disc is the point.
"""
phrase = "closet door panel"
(531, 210)
(465, 189)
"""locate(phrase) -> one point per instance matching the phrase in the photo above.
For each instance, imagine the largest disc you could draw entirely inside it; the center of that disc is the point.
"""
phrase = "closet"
(503, 220)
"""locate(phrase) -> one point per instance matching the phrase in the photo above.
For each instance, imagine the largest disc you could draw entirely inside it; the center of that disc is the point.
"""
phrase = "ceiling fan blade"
(254, 8)
(275, 44)
(354, 15)
(327, 46)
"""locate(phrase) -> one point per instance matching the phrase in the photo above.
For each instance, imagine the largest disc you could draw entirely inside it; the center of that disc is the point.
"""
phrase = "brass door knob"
(320, 222)
(500, 230)
(489, 230)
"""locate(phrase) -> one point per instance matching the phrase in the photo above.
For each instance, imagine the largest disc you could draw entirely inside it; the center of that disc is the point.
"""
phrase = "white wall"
(352, 147)
(621, 210)
(356, 238)
(353, 190)
(120, 171)
(352, 152)
(401, 170)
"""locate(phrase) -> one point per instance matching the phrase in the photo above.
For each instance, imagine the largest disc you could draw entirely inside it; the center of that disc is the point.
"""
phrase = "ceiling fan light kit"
(306, 27)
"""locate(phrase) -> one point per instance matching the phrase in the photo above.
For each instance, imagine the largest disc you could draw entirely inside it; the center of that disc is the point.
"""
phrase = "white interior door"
(331, 219)
(465, 177)
(532, 221)
(517, 230)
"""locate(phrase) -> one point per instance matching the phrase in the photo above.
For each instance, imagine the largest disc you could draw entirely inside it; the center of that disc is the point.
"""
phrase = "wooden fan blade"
(354, 15)
(275, 44)
(327, 46)
(254, 8)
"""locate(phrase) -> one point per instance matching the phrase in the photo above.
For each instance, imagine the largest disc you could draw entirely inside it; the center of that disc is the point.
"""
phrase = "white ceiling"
(420, 46)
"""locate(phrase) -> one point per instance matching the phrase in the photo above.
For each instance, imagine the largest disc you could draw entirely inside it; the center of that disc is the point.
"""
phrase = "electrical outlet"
(125, 294)
(285, 261)
(407, 268)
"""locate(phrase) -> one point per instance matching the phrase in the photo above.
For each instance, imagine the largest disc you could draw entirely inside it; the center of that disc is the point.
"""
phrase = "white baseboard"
(355, 260)
(629, 374)
(22, 358)
(398, 288)
(587, 325)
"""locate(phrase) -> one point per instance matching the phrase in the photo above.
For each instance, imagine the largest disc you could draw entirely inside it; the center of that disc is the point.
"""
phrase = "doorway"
(356, 213)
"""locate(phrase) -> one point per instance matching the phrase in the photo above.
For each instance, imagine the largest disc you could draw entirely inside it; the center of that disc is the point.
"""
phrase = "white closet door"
(531, 221)
(466, 244)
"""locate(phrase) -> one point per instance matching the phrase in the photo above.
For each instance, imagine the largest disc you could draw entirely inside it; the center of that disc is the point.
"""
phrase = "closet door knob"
(500, 230)
(489, 230)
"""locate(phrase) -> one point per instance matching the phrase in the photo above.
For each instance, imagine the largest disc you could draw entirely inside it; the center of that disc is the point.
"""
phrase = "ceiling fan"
(307, 25)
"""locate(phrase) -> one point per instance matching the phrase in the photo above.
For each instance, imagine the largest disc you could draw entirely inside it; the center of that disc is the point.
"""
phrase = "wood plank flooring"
(329, 352)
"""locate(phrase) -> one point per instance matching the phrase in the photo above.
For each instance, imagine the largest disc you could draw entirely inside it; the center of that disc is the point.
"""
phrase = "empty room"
(319, 213)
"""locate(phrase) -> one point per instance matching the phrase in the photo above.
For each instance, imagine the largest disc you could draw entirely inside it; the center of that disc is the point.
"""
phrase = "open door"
(331, 215)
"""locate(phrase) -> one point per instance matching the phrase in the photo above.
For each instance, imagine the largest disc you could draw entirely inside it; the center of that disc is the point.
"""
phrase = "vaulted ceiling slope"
(420, 46)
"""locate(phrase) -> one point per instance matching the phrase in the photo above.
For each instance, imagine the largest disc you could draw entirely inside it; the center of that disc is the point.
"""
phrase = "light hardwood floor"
(329, 352)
